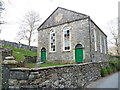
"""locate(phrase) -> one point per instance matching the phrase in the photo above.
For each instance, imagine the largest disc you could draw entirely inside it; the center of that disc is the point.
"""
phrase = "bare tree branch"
(28, 26)
(113, 27)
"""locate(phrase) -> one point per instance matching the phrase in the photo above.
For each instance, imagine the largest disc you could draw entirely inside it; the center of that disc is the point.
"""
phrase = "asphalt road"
(112, 81)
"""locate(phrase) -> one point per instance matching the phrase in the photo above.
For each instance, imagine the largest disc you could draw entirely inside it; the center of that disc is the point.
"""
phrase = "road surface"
(112, 81)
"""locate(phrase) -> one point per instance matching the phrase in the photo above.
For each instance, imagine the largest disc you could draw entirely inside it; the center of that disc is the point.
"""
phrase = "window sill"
(52, 52)
(66, 51)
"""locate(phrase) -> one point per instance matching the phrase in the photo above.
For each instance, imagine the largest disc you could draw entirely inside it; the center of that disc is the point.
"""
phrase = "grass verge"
(19, 53)
(32, 65)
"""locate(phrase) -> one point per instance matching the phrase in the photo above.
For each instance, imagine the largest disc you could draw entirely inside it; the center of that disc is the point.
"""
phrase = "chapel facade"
(67, 36)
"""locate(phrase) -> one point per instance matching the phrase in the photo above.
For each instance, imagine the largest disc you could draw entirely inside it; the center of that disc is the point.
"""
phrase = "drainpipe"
(89, 22)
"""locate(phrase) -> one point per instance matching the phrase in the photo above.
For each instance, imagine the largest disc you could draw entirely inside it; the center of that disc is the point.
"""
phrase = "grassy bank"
(19, 53)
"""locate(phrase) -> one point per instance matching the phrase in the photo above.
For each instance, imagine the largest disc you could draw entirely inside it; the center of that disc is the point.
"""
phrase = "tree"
(28, 27)
(1, 22)
(1, 9)
(113, 38)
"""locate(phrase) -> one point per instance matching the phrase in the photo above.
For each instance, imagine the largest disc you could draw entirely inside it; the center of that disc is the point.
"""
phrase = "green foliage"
(115, 57)
(115, 64)
(113, 68)
(104, 72)
(31, 65)
(19, 53)
(118, 66)
(114, 61)
(109, 70)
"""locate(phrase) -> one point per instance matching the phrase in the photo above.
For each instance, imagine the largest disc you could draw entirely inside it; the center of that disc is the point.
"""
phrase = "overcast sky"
(100, 11)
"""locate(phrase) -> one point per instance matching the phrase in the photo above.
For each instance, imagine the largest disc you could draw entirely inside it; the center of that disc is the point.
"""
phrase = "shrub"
(115, 64)
(114, 68)
(104, 72)
(118, 66)
(109, 70)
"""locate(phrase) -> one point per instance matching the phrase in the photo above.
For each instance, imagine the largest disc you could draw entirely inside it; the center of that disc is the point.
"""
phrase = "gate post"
(5, 65)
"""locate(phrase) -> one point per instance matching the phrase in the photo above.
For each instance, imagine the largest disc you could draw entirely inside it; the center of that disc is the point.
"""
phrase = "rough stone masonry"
(67, 76)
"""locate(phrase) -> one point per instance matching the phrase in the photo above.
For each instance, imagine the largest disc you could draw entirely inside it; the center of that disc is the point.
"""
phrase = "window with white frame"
(52, 40)
(105, 49)
(101, 43)
(95, 40)
(66, 38)
(91, 31)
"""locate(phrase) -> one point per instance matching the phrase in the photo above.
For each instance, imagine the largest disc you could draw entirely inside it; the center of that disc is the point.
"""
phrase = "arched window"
(66, 38)
(52, 40)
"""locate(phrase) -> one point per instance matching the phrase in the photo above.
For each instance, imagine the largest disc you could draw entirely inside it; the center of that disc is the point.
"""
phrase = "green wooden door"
(79, 54)
(43, 55)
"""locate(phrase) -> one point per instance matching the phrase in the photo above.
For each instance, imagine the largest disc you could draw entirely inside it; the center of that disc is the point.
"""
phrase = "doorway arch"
(43, 55)
(79, 53)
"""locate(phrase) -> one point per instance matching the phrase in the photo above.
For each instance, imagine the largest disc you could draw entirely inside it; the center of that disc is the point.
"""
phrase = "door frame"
(79, 46)
(44, 49)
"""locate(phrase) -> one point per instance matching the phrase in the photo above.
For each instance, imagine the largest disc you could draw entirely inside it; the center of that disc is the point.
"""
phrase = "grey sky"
(101, 12)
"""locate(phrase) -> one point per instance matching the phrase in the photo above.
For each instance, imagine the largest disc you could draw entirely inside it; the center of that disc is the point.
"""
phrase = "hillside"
(19, 53)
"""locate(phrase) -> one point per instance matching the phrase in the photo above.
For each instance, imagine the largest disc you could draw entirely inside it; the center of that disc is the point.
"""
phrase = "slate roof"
(64, 15)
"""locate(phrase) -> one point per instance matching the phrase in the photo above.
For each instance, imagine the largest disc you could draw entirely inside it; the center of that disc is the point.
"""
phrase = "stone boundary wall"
(4, 69)
(18, 45)
(6, 52)
(30, 59)
(66, 76)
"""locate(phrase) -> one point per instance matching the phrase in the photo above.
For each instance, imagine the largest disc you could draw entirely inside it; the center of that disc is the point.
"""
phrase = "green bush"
(109, 70)
(104, 72)
(113, 68)
(118, 66)
(115, 64)
(115, 57)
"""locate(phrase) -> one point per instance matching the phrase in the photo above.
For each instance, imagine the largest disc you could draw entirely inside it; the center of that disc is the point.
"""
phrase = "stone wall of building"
(82, 32)
(79, 33)
(97, 55)
(67, 76)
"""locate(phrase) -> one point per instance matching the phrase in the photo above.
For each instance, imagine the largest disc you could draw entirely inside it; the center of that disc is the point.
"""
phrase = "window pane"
(52, 40)
(53, 34)
(66, 37)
